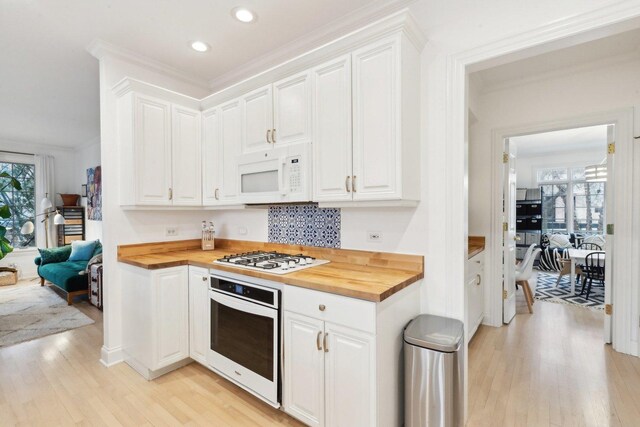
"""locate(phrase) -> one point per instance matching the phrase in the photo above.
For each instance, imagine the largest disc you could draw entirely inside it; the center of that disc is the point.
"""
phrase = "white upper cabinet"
(292, 110)
(186, 144)
(257, 120)
(210, 157)
(230, 143)
(152, 151)
(159, 146)
(332, 147)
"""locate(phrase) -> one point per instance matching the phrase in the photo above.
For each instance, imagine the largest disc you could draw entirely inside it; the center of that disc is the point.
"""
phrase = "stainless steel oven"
(245, 335)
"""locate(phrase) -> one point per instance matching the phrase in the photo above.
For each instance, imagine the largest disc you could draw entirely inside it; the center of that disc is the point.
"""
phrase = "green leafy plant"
(6, 181)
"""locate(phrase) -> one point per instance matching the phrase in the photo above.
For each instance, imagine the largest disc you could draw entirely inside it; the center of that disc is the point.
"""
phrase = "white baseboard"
(110, 357)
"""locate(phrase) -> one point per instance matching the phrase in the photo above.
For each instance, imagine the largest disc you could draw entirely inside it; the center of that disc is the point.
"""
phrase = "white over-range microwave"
(278, 175)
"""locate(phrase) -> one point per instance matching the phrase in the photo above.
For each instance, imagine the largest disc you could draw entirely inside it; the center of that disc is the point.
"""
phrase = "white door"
(186, 148)
(210, 157)
(332, 144)
(609, 212)
(292, 110)
(257, 120)
(509, 233)
(350, 385)
(376, 127)
(198, 314)
(171, 304)
(152, 151)
(304, 368)
(230, 139)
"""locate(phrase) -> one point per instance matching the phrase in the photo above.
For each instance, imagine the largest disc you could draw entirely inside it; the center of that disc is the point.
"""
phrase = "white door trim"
(456, 125)
(626, 289)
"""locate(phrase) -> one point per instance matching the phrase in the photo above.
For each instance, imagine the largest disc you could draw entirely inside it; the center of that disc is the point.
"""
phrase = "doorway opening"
(556, 219)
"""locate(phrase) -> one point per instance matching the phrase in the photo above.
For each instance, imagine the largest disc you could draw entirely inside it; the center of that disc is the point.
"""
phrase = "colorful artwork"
(94, 194)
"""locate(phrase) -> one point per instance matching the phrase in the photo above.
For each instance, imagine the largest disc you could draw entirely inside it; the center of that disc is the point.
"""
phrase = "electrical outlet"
(172, 231)
(374, 236)
(242, 231)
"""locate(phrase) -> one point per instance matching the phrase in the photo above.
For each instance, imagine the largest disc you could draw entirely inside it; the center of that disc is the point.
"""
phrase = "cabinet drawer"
(351, 312)
(475, 264)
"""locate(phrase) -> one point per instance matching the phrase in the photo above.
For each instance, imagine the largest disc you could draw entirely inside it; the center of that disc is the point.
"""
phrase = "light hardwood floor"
(545, 369)
(551, 368)
(58, 380)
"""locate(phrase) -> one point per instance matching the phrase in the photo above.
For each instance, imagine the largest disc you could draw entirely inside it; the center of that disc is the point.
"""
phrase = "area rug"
(546, 291)
(34, 311)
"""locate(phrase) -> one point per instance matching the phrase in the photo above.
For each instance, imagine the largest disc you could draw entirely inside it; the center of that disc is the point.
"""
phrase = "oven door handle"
(242, 305)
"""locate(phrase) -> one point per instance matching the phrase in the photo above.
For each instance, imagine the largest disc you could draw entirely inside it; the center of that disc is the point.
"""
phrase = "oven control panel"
(266, 296)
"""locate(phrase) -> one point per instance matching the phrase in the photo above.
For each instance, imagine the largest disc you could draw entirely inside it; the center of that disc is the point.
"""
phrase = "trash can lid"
(435, 333)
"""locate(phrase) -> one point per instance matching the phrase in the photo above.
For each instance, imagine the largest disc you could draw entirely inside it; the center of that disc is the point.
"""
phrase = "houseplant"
(6, 181)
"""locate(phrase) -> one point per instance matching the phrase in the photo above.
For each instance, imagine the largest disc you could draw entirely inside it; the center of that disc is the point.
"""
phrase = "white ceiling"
(592, 138)
(49, 82)
(626, 43)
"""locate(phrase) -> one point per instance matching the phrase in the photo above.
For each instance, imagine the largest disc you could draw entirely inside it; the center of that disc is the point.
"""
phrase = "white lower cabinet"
(342, 364)
(199, 314)
(474, 294)
(155, 319)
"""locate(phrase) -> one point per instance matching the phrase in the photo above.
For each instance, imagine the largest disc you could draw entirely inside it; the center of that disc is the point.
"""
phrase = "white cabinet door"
(292, 109)
(332, 145)
(186, 157)
(304, 368)
(171, 325)
(198, 314)
(376, 121)
(257, 119)
(152, 151)
(475, 302)
(350, 377)
(210, 157)
(230, 139)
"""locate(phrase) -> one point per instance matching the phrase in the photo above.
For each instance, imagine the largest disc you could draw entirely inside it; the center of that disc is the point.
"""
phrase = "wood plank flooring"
(551, 368)
(545, 369)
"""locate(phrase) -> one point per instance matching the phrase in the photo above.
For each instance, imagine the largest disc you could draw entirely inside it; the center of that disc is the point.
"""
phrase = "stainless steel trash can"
(434, 372)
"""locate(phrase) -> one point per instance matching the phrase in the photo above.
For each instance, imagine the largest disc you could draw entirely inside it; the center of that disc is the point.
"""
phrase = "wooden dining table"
(577, 256)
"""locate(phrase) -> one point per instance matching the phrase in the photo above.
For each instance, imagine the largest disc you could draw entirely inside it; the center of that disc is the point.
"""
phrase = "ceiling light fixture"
(243, 15)
(199, 46)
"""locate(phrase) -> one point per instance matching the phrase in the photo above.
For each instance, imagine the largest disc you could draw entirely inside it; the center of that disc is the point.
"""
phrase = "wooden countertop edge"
(289, 280)
(476, 244)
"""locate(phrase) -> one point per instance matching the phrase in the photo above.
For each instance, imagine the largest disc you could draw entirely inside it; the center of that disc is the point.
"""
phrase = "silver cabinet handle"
(324, 342)
(478, 279)
(205, 278)
(318, 341)
(322, 307)
(268, 136)
(171, 194)
(347, 183)
(353, 184)
(216, 193)
(273, 136)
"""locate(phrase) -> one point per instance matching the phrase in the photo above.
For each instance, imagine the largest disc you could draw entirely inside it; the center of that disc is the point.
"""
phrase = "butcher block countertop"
(371, 276)
(476, 245)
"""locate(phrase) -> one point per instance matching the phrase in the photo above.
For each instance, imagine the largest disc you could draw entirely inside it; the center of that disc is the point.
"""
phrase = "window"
(21, 203)
(570, 203)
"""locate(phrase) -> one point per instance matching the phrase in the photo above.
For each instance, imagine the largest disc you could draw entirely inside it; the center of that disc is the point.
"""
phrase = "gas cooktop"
(271, 262)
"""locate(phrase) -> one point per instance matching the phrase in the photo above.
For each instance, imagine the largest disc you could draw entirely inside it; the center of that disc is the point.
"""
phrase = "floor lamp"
(47, 211)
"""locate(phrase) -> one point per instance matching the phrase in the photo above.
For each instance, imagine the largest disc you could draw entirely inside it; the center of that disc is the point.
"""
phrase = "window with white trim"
(570, 203)
(22, 203)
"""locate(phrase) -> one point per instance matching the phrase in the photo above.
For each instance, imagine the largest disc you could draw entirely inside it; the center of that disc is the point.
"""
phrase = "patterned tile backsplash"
(306, 225)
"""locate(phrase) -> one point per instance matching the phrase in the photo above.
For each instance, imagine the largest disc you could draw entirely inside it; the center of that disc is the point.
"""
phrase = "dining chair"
(526, 256)
(593, 270)
(524, 274)
(565, 267)
(590, 247)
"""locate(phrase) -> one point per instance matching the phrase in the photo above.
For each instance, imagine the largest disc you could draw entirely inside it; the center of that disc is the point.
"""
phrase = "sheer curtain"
(45, 187)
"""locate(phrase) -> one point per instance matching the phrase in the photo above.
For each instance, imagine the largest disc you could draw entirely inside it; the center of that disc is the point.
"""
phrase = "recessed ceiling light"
(199, 46)
(243, 15)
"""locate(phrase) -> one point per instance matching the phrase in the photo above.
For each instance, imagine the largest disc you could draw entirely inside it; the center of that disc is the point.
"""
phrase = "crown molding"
(399, 23)
(345, 25)
(101, 49)
(128, 84)
(23, 146)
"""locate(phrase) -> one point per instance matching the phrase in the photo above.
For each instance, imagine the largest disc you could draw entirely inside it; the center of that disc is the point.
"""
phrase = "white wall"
(87, 156)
